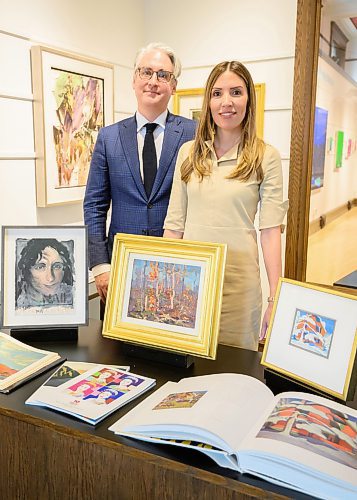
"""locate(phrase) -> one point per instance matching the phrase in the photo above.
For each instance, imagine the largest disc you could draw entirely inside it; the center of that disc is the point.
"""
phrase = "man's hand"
(102, 282)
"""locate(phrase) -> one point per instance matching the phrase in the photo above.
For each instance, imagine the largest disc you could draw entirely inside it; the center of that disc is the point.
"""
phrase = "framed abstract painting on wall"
(73, 99)
(318, 156)
(166, 293)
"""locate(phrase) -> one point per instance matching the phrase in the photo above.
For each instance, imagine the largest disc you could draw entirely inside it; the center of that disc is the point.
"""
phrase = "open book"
(93, 393)
(296, 440)
(20, 362)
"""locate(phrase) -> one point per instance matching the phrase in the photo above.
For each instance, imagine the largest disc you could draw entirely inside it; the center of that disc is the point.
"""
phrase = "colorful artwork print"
(44, 274)
(312, 332)
(14, 358)
(180, 400)
(314, 427)
(103, 386)
(339, 148)
(318, 157)
(78, 118)
(164, 292)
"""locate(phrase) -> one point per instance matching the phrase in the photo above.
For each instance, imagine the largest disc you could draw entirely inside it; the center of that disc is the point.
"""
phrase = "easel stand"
(56, 334)
(279, 383)
(158, 355)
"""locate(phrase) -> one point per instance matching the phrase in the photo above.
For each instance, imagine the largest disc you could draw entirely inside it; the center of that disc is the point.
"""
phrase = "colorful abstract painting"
(339, 148)
(314, 427)
(312, 332)
(318, 158)
(164, 292)
(78, 118)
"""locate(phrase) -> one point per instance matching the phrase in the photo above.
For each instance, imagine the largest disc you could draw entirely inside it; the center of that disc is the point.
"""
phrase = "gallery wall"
(261, 34)
(104, 32)
(337, 94)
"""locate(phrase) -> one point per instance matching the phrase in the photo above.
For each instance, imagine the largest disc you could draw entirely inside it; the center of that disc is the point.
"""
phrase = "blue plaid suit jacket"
(114, 178)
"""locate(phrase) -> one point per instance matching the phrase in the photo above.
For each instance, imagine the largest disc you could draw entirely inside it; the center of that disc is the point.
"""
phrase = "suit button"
(150, 205)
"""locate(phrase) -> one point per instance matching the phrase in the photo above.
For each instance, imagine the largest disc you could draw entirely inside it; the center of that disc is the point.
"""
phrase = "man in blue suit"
(116, 175)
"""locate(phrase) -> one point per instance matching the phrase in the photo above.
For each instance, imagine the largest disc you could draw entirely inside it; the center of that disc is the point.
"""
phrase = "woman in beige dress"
(220, 179)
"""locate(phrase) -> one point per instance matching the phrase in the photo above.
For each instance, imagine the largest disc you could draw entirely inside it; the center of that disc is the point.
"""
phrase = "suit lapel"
(172, 136)
(129, 140)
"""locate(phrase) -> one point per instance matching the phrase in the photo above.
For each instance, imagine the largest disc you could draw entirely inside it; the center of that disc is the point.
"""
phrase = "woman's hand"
(265, 322)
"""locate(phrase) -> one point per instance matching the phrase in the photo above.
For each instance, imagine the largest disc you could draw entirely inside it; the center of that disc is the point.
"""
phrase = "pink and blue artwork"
(312, 332)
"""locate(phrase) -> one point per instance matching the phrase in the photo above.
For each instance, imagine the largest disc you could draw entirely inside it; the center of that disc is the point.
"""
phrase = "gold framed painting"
(166, 293)
(312, 337)
(188, 103)
(73, 99)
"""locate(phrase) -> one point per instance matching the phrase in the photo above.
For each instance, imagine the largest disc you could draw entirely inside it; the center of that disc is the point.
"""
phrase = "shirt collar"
(141, 121)
(232, 154)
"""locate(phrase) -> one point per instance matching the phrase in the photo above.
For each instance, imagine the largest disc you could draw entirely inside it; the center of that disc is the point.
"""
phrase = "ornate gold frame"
(117, 323)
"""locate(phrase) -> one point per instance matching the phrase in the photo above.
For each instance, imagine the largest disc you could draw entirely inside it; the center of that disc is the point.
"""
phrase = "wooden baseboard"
(330, 216)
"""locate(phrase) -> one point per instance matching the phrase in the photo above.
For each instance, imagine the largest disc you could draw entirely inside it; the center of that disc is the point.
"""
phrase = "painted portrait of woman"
(44, 273)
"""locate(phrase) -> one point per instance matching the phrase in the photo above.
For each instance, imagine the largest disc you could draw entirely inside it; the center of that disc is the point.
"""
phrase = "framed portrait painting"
(73, 99)
(166, 293)
(312, 337)
(188, 103)
(44, 279)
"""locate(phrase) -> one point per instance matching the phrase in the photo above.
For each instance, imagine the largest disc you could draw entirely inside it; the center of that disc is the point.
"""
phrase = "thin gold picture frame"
(44, 61)
(167, 333)
(196, 92)
(302, 365)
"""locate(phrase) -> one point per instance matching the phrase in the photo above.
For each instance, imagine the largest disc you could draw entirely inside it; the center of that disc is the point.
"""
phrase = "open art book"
(92, 394)
(20, 362)
(296, 440)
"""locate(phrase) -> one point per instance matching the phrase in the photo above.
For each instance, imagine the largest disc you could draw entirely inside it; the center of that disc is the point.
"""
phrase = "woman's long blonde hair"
(251, 147)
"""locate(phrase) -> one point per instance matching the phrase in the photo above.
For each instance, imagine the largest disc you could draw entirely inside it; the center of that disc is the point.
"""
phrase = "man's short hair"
(164, 48)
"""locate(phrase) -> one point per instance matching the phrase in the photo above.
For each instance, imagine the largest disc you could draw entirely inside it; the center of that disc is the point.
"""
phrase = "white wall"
(261, 34)
(338, 95)
(110, 31)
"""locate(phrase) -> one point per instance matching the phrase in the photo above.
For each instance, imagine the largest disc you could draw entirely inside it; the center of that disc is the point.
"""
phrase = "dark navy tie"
(149, 158)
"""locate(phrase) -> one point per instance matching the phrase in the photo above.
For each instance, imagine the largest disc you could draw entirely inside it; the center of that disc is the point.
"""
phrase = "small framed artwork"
(312, 337)
(44, 279)
(319, 149)
(166, 293)
(73, 99)
(188, 103)
(339, 148)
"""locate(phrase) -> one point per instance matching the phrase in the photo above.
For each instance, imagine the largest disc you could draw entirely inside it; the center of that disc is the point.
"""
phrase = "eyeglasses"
(162, 75)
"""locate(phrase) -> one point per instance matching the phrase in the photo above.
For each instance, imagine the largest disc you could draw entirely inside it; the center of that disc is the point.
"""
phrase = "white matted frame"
(188, 102)
(312, 337)
(44, 281)
(166, 293)
(73, 99)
